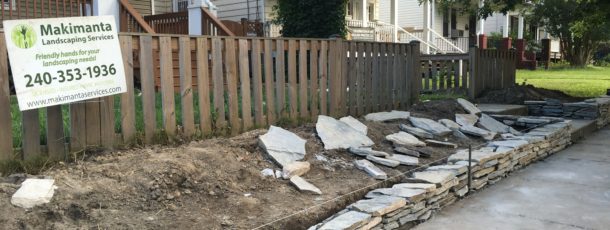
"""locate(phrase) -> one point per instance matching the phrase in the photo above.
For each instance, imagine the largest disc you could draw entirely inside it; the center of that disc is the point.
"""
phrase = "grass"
(578, 82)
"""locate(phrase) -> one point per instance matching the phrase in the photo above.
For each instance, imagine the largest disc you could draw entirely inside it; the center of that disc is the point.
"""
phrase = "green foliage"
(311, 18)
(580, 24)
(604, 61)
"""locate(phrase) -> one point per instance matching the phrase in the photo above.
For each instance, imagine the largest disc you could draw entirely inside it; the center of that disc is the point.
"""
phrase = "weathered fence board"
(6, 136)
(249, 82)
(186, 87)
(147, 82)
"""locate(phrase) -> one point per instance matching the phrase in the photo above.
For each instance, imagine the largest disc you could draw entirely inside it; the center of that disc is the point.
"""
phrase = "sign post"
(62, 60)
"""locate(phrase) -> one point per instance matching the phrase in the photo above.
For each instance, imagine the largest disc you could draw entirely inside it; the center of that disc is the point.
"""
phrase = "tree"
(581, 25)
(311, 18)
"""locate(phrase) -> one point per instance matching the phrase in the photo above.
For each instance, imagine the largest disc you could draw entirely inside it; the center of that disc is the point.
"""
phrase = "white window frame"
(7, 5)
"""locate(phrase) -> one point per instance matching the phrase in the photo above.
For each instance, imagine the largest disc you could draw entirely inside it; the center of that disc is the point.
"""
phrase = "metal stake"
(469, 168)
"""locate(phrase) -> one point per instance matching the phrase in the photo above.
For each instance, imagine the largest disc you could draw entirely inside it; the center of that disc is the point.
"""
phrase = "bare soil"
(519, 93)
(210, 184)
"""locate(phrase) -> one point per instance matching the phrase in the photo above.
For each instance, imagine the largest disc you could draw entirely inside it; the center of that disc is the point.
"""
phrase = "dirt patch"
(437, 109)
(214, 184)
(519, 93)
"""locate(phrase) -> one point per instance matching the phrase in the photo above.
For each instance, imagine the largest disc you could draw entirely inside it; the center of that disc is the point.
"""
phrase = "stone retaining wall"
(426, 192)
(591, 109)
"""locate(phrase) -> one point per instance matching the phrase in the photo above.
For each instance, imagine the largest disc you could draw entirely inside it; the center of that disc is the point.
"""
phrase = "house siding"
(142, 6)
(410, 13)
(235, 10)
(164, 6)
(494, 23)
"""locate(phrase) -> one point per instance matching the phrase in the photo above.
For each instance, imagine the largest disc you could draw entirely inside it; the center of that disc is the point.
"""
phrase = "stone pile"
(548, 107)
(287, 150)
(427, 191)
(526, 121)
(590, 109)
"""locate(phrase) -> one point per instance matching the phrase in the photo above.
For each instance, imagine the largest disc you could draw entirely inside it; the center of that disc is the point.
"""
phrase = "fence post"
(472, 85)
(415, 83)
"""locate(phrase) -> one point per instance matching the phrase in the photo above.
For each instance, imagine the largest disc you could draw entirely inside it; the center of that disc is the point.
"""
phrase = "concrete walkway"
(569, 190)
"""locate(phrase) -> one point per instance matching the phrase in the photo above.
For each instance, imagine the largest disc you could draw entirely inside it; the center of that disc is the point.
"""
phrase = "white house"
(446, 30)
(514, 23)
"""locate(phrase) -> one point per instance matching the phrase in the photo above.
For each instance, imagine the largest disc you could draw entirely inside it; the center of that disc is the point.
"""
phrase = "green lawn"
(587, 82)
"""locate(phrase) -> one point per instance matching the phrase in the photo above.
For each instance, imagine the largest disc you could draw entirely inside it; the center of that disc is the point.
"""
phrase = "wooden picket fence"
(228, 85)
(472, 73)
(445, 72)
(491, 70)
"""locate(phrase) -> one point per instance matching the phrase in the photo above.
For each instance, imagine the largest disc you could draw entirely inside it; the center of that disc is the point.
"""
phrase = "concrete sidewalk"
(568, 190)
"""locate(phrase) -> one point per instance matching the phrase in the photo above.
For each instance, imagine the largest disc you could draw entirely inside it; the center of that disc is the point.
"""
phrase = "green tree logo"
(24, 36)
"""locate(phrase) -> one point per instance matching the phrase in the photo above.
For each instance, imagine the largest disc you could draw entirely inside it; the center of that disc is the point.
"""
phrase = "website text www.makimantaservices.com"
(73, 97)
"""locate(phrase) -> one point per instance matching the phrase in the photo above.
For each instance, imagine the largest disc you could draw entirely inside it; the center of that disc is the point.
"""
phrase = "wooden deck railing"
(210, 25)
(132, 21)
(170, 23)
(25, 9)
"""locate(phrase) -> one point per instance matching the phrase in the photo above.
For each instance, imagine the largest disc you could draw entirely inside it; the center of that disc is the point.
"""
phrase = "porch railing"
(170, 23)
(442, 41)
(448, 45)
(24, 9)
(131, 20)
(210, 25)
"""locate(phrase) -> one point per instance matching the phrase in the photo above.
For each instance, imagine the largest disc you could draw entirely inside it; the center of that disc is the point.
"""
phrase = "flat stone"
(514, 144)
(483, 172)
(493, 125)
(405, 151)
(435, 177)
(296, 168)
(304, 186)
(402, 138)
(372, 223)
(371, 169)
(441, 144)
(415, 131)
(412, 195)
(387, 116)
(456, 169)
(478, 132)
(404, 159)
(354, 123)
(481, 155)
(430, 126)
(268, 172)
(348, 220)
(379, 206)
(339, 135)
(468, 106)
(383, 161)
(460, 134)
(34, 192)
(283, 146)
(365, 151)
(429, 188)
(466, 119)
(449, 124)
(462, 192)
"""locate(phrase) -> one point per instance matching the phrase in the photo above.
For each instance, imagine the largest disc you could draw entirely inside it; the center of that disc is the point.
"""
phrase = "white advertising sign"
(61, 60)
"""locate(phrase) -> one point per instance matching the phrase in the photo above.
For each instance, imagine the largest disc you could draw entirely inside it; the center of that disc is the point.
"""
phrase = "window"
(182, 5)
(9, 5)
